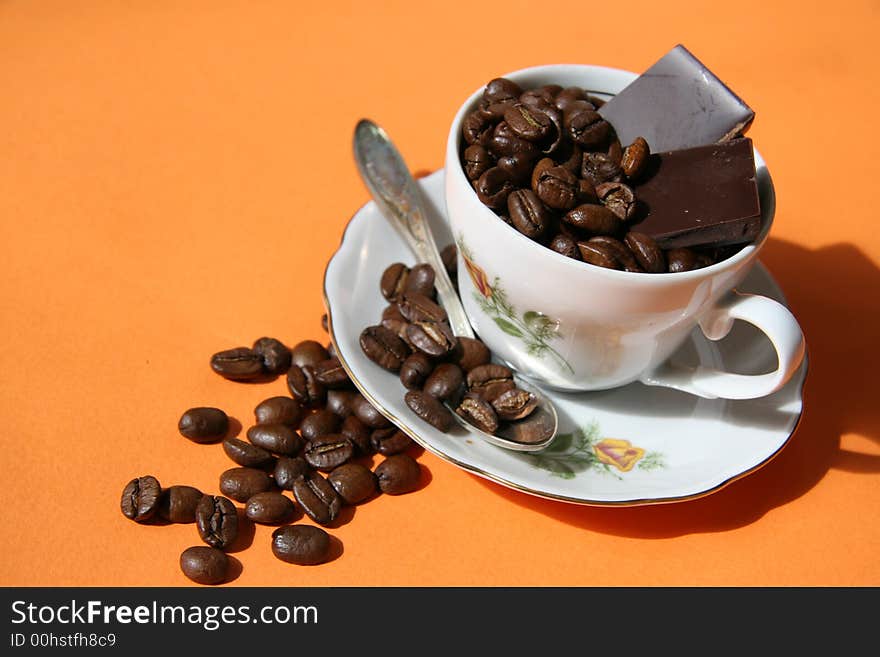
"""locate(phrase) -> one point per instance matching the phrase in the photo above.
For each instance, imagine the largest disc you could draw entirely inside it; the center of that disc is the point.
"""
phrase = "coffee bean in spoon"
(429, 409)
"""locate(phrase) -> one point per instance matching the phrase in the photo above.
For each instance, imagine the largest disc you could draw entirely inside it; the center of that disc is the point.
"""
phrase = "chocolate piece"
(701, 196)
(677, 103)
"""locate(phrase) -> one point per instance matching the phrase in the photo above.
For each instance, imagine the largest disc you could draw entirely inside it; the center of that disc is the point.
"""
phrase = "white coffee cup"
(574, 326)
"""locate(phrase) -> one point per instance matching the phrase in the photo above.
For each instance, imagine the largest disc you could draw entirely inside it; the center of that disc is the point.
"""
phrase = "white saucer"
(628, 446)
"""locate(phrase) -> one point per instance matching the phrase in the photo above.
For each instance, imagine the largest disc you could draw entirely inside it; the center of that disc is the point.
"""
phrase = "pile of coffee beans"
(318, 444)
(550, 166)
(438, 369)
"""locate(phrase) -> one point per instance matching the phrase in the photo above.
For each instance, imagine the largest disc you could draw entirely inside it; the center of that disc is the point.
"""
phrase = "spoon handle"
(398, 196)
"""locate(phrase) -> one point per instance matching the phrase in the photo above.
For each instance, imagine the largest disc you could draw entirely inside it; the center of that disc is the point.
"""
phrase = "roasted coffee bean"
(140, 498)
(477, 128)
(501, 90)
(421, 280)
(599, 255)
(339, 402)
(239, 364)
(203, 424)
(527, 213)
(353, 482)
(217, 521)
(358, 434)
(543, 165)
(586, 192)
(276, 356)
(478, 412)
(246, 454)
(586, 127)
(304, 545)
(429, 409)
(599, 168)
(331, 350)
(390, 440)
(305, 387)
(204, 565)
(288, 470)
(398, 474)
(528, 122)
(569, 157)
(446, 382)
(178, 504)
(594, 220)
(449, 255)
(615, 150)
(278, 410)
(317, 497)
(331, 374)
(269, 508)
(619, 198)
(384, 347)
(518, 167)
(320, 423)
(514, 404)
(490, 380)
(276, 438)
(308, 352)
(417, 307)
(433, 338)
(393, 281)
(567, 96)
(415, 369)
(367, 413)
(243, 483)
(493, 187)
(557, 187)
(470, 353)
(506, 142)
(476, 161)
(646, 252)
(635, 158)
(682, 260)
(397, 325)
(328, 451)
(620, 250)
(565, 245)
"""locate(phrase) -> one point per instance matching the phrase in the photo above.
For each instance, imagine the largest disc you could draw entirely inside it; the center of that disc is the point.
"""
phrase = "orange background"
(175, 175)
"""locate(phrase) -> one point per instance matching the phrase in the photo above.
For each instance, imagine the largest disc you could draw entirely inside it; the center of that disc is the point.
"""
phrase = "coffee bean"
(557, 187)
(586, 192)
(276, 438)
(275, 355)
(203, 424)
(239, 364)
(308, 352)
(477, 161)
(635, 158)
(599, 168)
(417, 307)
(505, 142)
(393, 281)
(421, 280)
(501, 90)
(432, 338)
(269, 508)
(353, 482)
(178, 504)
(543, 165)
(619, 198)
(288, 470)
(620, 250)
(470, 353)
(565, 245)
(429, 409)
(514, 404)
(317, 497)
(490, 380)
(567, 96)
(477, 128)
(331, 374)
(304, 545)
(320, 423)
(594, 220)
(339, 402)
(599, 255)
(358, 434)
(383, 347)
(243, 483)
(305, 387)
(415, 369)
(446, 382)
(569, 157)
(478, 412)
(398, 474)
(390, 440)
(140, 498)
(204, 565)
(527, 122)
(493, 187)
(585, 127)
(328, 451)
(278, 410)
(646, 252)
(245, 453)
(681, 260)
(527, 213)
(331, 350)
(368, 414)
(217, 521)
(518, 167)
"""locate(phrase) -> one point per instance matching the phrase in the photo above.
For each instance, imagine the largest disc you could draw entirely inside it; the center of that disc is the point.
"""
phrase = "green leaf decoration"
(508, 327)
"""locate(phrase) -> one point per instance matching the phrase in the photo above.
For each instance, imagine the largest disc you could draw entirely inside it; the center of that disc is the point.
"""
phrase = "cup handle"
(768, 315)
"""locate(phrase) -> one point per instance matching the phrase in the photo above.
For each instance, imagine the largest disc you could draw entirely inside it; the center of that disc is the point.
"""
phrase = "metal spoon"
(398, 197)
